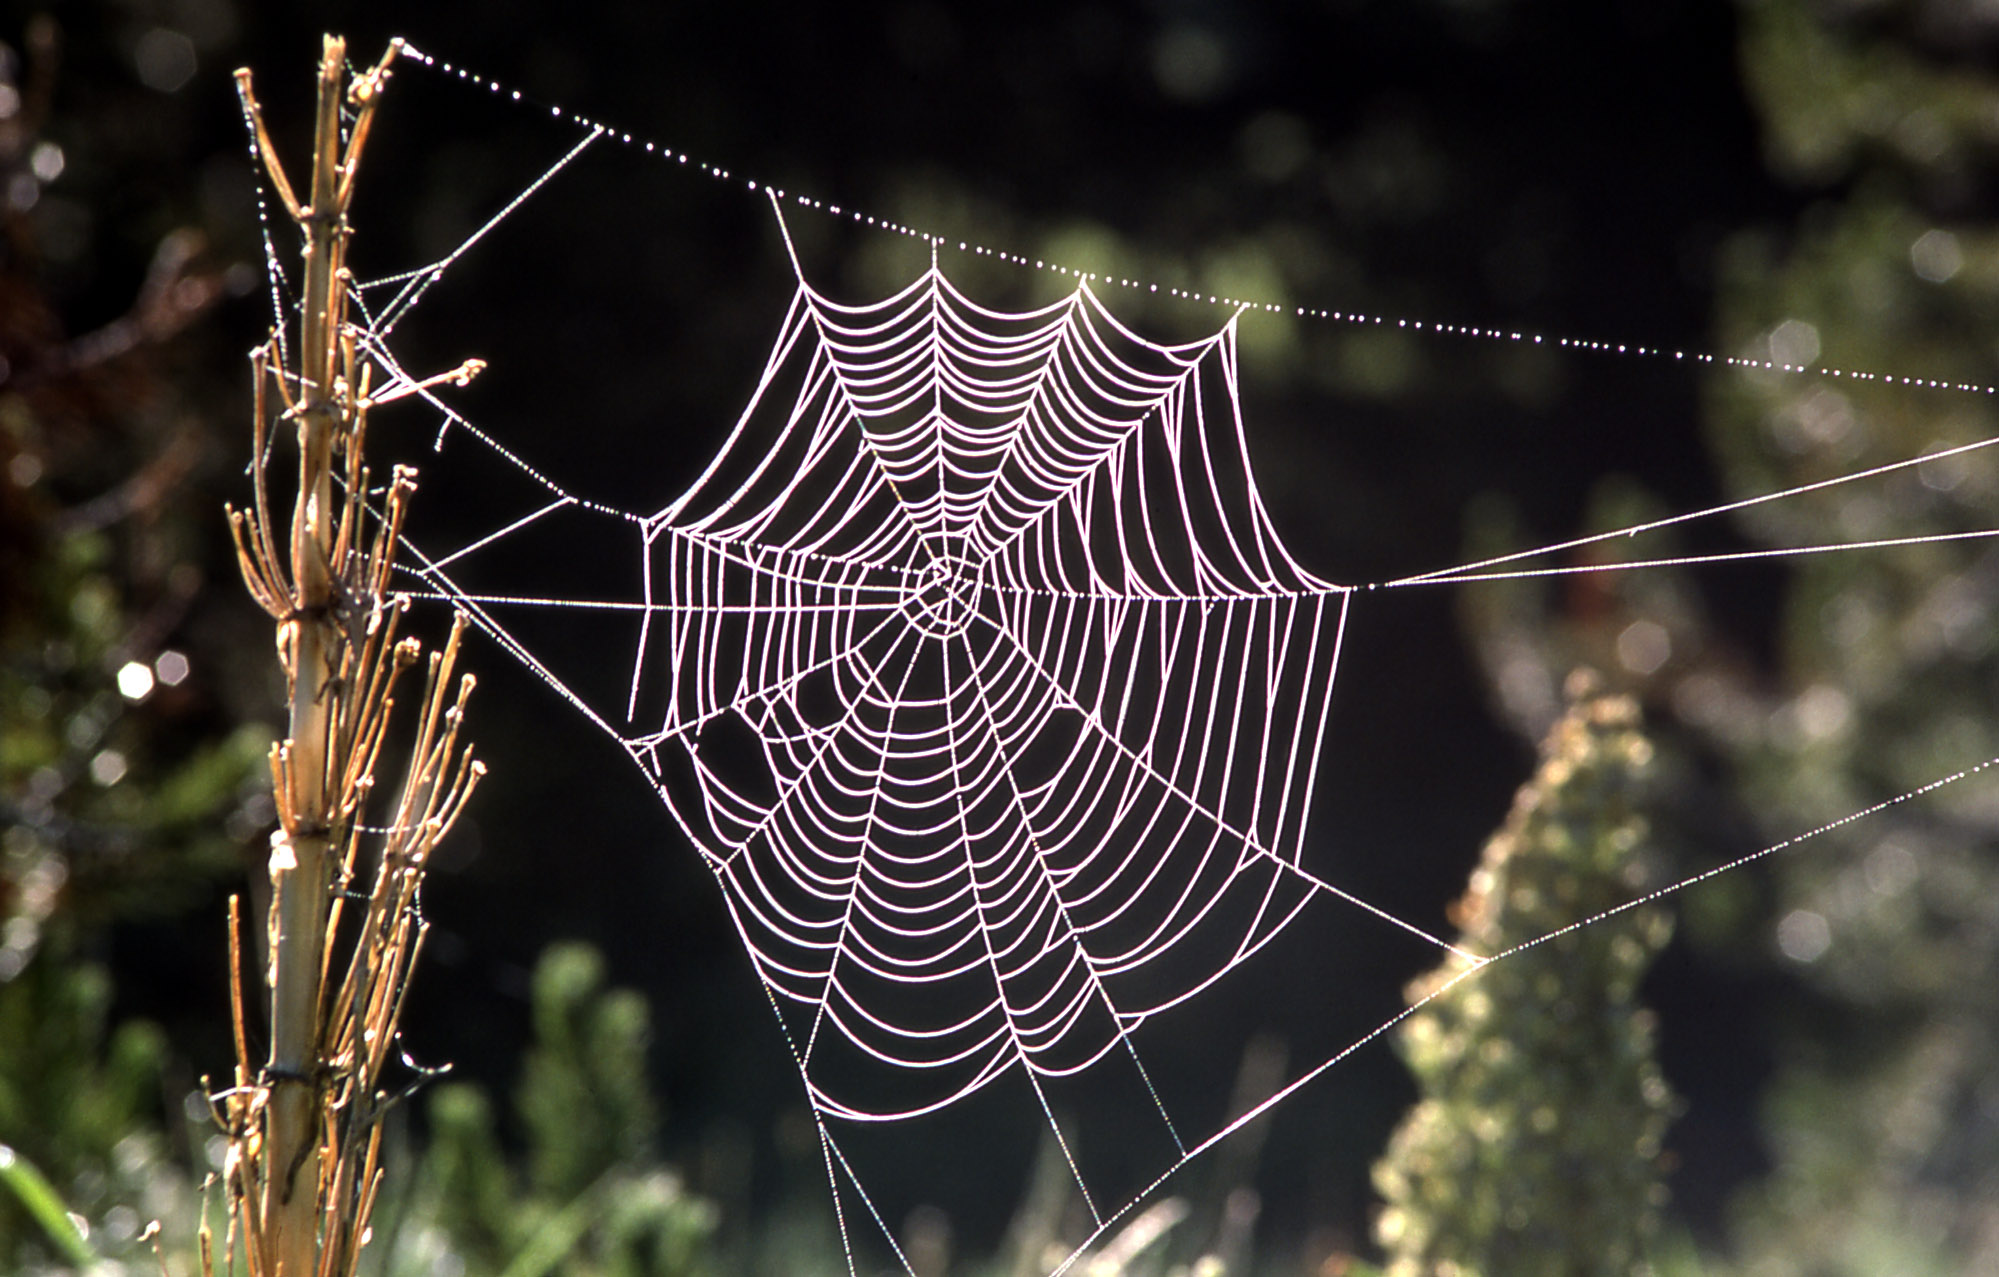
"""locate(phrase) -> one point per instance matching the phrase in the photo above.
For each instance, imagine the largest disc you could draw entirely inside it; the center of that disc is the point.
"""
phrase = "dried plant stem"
(305, 1124)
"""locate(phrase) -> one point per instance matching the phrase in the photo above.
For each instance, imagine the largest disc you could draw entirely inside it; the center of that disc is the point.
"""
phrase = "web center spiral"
(943, 597)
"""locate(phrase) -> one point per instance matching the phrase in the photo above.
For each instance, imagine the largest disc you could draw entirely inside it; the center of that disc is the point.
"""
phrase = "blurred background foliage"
(1883, 1121)
(586, 1192)
(1810, 181)
(1537, 1144)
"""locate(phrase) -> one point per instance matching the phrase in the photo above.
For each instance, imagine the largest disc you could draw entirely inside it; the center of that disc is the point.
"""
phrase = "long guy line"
(752, 185)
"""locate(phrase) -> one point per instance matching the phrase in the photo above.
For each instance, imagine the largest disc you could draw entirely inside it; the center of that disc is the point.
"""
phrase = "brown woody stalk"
(305, 1123)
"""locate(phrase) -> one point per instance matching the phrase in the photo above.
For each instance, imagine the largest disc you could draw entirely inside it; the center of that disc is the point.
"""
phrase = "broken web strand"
(1466, 572)
(1460, 573)
(411, 285)
(437, 572)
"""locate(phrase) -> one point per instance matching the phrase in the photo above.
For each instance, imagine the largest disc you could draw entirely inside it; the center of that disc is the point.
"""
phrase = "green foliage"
(1535, 1147)
(82, 1156)
(38, 1197)
(110, 812)
(84, 1165)
(119, 800)
(594, 1200)
(583, 1097)
(1834, 95)
(69, 1088)
(1881, 1122)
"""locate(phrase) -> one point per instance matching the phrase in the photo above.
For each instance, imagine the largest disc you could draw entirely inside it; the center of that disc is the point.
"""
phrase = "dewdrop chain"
(1631, 350)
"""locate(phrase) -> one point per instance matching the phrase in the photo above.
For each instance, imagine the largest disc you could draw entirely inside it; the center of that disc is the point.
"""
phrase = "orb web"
(1002, 746)
(975, 670)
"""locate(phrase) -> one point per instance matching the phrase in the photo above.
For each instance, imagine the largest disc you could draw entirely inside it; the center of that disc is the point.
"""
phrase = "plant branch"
(304, 1168)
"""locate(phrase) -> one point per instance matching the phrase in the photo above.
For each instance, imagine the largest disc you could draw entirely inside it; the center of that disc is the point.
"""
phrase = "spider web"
(982, 819)
(975, 670)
